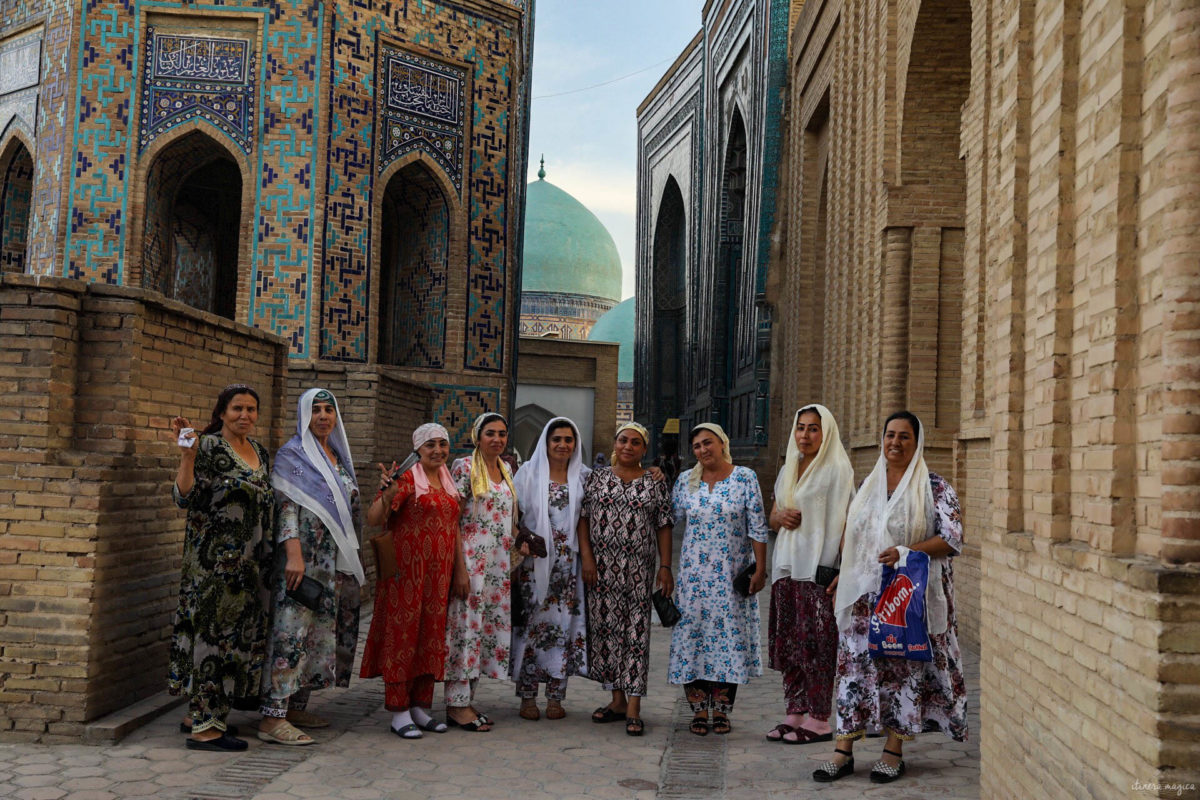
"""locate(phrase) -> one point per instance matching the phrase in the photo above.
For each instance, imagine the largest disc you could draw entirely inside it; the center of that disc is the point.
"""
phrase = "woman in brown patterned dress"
(626, 517)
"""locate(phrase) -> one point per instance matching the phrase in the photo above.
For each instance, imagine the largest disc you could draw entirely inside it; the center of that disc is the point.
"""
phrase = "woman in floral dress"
(479, 627)
(317, 533)
(550, 645)
(407, 640)
(901, 506)
(715, 645)
(624, 530)
(219, 643)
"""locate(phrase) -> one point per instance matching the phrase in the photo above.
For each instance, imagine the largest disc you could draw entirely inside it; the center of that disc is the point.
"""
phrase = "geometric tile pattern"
(457, 408)
(16, 183)
(422, 106)
(185, 77)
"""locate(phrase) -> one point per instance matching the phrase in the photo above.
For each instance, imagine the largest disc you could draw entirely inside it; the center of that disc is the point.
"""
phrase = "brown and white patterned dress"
(624, 519)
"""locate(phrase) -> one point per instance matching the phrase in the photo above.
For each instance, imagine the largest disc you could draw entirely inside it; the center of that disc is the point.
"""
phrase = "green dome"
(618, 326)
(567, 250)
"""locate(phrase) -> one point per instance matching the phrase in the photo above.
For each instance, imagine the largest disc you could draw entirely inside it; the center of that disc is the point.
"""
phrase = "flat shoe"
(286, 734)
(830, 772)
(529, 711)
(699, 726)
(721, 726)
(223, 743)
(409, 731)
(606, 714)
(231, 730)
(474, 726)
(303, 719)
(884, 773)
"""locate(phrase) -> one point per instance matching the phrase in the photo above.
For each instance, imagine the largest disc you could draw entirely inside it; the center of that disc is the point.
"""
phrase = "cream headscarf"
(697, 471)
(533, 483)
(875, 523)
(821, 495)
(637, 428)
(480, 481)
(425, 433)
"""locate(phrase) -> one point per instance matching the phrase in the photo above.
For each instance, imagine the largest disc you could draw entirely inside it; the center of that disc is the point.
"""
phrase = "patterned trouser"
(459, 694)
(278, 707)
(406, 694)
(715, 695)
(556, 689)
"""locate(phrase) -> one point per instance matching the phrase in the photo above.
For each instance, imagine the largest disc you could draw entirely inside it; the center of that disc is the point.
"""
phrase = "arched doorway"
(16, 194)
(734, 351)
(669, 394)
(414, 270)
(193, 224)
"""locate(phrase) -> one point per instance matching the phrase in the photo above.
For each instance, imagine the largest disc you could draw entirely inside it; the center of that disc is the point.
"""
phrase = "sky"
(589, 137)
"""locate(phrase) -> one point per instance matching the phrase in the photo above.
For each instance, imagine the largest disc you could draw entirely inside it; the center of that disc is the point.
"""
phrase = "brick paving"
(357, 758)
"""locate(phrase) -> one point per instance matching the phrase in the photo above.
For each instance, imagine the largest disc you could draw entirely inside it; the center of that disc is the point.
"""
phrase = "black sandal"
(830, 772)
(474, 726)
(634, 726)
(885, 773)
(606, 714)
(699, 725)
(720, 725)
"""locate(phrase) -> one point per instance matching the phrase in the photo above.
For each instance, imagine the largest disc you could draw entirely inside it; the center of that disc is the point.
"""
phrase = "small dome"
(567, 250)
(618, 326)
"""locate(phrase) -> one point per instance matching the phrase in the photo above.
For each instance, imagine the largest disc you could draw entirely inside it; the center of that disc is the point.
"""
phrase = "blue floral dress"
(717, 638)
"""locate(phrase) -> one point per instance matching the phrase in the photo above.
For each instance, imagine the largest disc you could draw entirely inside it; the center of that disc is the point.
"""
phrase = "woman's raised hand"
(178, 426)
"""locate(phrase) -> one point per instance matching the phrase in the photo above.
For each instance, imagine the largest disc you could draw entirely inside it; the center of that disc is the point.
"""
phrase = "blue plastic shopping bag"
(897, 625)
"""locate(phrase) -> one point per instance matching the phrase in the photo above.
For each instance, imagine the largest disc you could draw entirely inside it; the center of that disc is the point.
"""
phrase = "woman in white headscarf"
(317, 533)
(715, 645)
(549, 645)
(479, 626)
(900, 507)
(812, 493)
(407, 640)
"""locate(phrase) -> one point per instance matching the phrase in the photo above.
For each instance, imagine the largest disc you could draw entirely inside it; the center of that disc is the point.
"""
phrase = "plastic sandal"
(699, 725)
(409, 731)
(830, 772)
(720, 725)
(474, 726)
(433, 726)
(223, 743)
(605, 714)
(634, 726)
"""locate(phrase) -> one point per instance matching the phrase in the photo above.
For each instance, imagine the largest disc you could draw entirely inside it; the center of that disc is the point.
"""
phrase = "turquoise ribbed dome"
(617, 326)
(567, 250)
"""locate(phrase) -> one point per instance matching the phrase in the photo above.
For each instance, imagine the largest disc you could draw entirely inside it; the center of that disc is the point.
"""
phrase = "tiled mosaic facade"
(16, 174)
(319, 104)
(564, 316)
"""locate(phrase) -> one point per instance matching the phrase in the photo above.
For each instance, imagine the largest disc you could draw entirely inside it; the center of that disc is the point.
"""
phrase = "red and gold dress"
(407, 640)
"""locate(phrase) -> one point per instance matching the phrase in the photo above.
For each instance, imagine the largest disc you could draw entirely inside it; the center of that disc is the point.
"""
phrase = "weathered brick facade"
(990, 214)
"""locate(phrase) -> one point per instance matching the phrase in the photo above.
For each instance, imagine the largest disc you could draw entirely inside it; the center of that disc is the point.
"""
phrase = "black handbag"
(825, 575)
(664, 606)
(308, 593)
(741, 583)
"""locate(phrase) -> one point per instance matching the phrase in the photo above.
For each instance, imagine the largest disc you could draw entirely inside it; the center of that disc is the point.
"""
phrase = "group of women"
(549, 573)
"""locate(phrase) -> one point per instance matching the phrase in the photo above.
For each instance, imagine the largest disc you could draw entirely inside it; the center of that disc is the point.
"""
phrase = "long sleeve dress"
(479, 629)
(218, 649)
(407, 640)
(623, 521)
(716, 638)
(907, 697)
(311, 649)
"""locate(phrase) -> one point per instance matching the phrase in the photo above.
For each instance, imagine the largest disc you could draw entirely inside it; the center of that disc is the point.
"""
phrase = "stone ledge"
(116, 726)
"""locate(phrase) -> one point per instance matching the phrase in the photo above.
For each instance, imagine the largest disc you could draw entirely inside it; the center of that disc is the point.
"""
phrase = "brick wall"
(1011, 250)
(90, 541)
(589, 365)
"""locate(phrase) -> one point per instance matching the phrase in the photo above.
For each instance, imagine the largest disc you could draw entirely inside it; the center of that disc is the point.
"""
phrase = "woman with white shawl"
(550, 644)
(317, 529)
(812, 493)
(900, 507)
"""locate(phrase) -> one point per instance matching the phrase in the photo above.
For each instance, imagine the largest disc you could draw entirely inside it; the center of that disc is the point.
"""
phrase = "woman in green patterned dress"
(219, 645)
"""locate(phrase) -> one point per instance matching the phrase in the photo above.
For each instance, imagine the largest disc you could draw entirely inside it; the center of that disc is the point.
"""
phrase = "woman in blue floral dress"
(549, 646)
(715, 645)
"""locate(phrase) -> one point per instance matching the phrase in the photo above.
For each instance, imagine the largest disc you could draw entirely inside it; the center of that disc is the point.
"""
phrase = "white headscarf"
(875, 523)
(533, 493)
(821, 495)
(423, 434)
(303, 473)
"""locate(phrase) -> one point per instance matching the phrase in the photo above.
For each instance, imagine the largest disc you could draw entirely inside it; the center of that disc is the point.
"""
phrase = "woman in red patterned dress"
(407, 641)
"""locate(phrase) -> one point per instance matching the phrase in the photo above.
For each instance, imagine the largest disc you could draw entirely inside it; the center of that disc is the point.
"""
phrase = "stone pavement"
(357, 758)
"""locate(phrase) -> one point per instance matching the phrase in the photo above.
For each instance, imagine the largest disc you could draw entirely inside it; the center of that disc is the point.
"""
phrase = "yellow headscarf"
(640, 430)
(480, 481)
(698, 470)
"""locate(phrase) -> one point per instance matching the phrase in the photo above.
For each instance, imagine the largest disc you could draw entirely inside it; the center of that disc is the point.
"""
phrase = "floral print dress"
(552, 645)
(479, 629)
(907, 697)
(219, 644)
(716, 639)
(311, 649)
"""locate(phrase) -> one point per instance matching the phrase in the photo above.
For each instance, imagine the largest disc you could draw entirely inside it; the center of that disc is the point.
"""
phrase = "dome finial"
(542, 169)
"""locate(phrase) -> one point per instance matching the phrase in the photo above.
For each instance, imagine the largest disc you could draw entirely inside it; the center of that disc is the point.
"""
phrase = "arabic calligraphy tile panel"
(188, 77)
(20, 63)
(421, 108)
(457, 408)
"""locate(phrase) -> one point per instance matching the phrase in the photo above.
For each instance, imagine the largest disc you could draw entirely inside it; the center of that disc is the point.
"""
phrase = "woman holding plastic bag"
(901, 507)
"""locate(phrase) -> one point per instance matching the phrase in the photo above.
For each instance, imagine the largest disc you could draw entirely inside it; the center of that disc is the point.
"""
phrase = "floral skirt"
(802, 644)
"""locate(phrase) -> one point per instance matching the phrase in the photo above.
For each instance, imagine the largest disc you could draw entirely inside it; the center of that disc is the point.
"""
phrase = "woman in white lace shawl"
(901, 506)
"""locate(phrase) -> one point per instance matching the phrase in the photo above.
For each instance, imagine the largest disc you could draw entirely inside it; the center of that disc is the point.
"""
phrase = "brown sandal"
(555, 710)
(529, 710)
